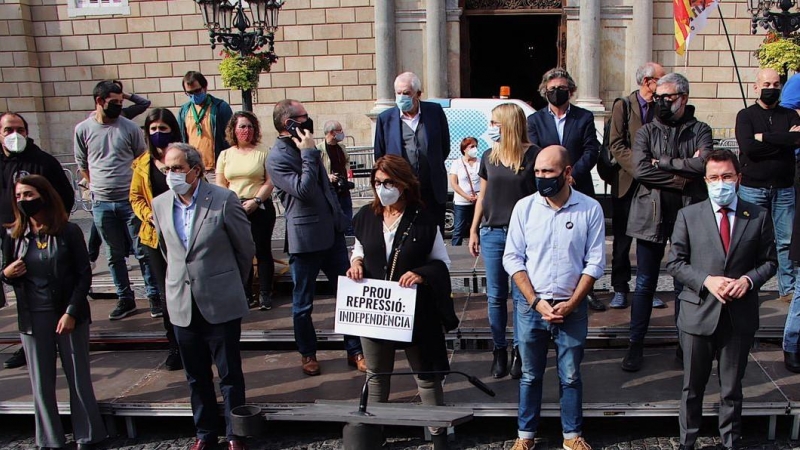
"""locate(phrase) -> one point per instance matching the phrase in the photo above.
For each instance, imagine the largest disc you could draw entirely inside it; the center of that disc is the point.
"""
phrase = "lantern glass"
(210, 11)
(225, 15)
(258, 12)
(273, 8)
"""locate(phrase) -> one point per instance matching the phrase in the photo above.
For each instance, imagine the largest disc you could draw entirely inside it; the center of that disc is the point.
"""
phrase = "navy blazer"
(313, 215)
(389, 141)
(580, 140)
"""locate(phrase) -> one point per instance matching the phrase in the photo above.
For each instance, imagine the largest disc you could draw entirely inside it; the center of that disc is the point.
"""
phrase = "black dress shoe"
(594, 303)
(634, 358)
(516, 364)
(500, 363)
(792, 361)
(87, 446)
(16, 360)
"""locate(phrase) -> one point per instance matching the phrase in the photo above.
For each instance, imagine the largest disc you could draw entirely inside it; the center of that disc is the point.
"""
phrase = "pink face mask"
(244, 135)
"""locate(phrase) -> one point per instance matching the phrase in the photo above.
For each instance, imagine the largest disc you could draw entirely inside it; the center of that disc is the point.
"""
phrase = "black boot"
(173, 361)
(635, 357)
(516, 364)
(500, 363)
(16, 360)
(792, 361)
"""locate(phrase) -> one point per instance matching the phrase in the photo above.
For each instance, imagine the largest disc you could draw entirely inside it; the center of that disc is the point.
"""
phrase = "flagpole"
(733, 57)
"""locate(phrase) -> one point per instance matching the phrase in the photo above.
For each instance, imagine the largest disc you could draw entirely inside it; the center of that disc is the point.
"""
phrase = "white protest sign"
(375, 308)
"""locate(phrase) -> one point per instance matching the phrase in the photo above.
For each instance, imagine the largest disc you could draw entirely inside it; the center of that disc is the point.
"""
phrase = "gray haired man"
(337, 164)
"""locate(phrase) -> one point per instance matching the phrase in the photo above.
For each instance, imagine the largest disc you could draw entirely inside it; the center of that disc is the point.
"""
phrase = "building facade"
(340, 57)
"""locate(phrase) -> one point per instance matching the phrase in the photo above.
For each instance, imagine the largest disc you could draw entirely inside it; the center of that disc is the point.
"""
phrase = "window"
(79, 8)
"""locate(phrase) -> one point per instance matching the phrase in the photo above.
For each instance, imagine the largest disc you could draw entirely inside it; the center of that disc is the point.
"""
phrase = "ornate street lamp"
(784, 22)
(229, 25)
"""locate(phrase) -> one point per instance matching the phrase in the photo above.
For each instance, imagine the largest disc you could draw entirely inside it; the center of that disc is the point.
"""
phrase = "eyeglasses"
(178, 169)
(669, 97)
(195, 91)
(387, 183)
(301, 116)
(726, 177)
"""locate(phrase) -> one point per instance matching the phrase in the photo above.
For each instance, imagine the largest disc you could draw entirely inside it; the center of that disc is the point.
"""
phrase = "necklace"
(40, 244)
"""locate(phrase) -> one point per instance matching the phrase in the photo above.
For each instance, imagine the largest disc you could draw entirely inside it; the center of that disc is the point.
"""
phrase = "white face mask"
(387, 196)
(472, 152)
(177, 182)
(15, 142)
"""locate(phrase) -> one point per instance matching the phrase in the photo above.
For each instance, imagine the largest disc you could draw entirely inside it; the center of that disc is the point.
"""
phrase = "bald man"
(768, 134)
(554, 253)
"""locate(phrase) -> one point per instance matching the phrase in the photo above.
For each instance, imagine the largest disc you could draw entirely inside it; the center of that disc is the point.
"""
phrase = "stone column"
(589, 70)
(436, 49)
(385, 54)
(642, 39)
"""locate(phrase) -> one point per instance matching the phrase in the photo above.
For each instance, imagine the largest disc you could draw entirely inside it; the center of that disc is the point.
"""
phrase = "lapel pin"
(746, 213)
(569, 225)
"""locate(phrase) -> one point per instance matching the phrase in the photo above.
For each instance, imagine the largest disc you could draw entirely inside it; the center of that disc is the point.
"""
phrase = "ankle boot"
(516, 364)
(634, 358)
(500, 363)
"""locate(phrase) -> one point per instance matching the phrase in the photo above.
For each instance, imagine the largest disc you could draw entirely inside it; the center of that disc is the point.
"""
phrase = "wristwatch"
(535, 302)
(258, 200)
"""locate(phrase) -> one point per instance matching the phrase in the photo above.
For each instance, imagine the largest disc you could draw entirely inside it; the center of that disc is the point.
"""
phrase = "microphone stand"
(473, 380)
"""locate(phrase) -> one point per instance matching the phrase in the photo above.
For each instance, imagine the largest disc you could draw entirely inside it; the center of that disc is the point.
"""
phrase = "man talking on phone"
(315, 225)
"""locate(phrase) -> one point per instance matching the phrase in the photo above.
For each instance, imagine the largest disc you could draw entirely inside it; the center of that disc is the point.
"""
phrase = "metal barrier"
(729, 144)
(361, 162)
(74, 176)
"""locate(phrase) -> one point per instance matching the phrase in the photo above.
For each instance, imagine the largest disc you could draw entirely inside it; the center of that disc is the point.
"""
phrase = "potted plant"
(241, 72)
(779, 53)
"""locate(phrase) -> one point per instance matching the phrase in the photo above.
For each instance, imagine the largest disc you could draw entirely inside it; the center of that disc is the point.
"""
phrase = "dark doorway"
(510, 50)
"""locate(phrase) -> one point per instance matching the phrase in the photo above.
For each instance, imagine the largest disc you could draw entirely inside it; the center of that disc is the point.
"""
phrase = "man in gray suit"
(315, 225)
(205, 237)
(722, 263)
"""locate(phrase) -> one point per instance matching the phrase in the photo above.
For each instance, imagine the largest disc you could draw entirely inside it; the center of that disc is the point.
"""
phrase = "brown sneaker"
(523, 444)
(358, 362)
(577, 443)
(787, 298)
(310, 365)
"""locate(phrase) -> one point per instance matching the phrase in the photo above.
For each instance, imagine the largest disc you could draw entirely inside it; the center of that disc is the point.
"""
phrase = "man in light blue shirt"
(555, 251)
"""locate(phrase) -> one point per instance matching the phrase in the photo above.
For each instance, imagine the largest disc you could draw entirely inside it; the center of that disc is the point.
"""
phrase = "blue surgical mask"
(198, 99)
(339, 137)
(404, 102)
(494, 133)
(721, 192)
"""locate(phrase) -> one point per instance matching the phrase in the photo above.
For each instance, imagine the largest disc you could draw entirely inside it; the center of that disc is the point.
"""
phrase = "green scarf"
(199, 117)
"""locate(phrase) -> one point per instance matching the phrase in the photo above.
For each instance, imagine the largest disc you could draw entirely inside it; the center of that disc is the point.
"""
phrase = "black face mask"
(557, 97)
(549, 187)
(770, 96)
(30, 207)
(113, 110)
(664, 110)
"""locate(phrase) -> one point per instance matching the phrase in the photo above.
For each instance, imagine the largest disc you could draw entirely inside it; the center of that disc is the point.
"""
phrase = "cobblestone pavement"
(16, 433)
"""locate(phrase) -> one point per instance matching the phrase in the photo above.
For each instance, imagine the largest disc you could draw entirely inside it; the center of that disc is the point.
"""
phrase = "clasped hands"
(555, 313)
(727, 289)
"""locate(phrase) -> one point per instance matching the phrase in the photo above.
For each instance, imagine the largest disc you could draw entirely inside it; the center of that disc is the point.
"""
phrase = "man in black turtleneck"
(668, 162)
(768, 134)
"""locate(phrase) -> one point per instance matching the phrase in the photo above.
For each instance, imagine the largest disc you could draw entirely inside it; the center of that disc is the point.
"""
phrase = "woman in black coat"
(46, 261)
(397, 240)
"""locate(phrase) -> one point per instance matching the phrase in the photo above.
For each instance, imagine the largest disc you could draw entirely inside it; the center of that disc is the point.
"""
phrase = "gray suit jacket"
(697, 252)
(214, 268)
(313, 214)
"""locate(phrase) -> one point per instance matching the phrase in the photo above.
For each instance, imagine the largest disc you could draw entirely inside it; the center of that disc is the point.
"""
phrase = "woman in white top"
(466, 184)
(399, 241)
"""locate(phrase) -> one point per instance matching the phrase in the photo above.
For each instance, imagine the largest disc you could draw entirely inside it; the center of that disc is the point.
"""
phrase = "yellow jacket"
(141, 197)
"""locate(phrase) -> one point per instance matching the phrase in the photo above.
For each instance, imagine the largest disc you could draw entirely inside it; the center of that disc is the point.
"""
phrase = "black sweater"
(769, 163)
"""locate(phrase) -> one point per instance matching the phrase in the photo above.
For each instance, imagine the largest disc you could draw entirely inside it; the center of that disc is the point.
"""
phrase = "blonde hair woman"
(506, 174)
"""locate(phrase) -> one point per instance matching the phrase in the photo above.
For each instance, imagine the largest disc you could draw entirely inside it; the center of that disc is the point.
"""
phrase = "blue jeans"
(780, 203)
(462, 222)
(118, 227)
(533, 337)
(791, 331)
(648, 264)
(305, 267)
(493, 244)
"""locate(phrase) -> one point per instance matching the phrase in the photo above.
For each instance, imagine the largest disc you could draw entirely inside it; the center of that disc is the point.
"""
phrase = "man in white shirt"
(554, 253)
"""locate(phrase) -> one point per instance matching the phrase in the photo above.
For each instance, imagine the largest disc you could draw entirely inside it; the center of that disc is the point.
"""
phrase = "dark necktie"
(725, 229)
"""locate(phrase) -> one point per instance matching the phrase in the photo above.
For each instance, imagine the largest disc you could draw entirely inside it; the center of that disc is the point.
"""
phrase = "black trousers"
(202, 343)
(437, 210)
(730, 348)
(621, 246)
(158, 266)
(262, 222)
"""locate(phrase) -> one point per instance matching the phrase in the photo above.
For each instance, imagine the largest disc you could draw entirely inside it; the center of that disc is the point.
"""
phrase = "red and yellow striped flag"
(690, 17)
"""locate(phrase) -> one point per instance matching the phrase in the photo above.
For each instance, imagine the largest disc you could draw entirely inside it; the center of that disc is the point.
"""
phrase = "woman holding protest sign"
(397, 240)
